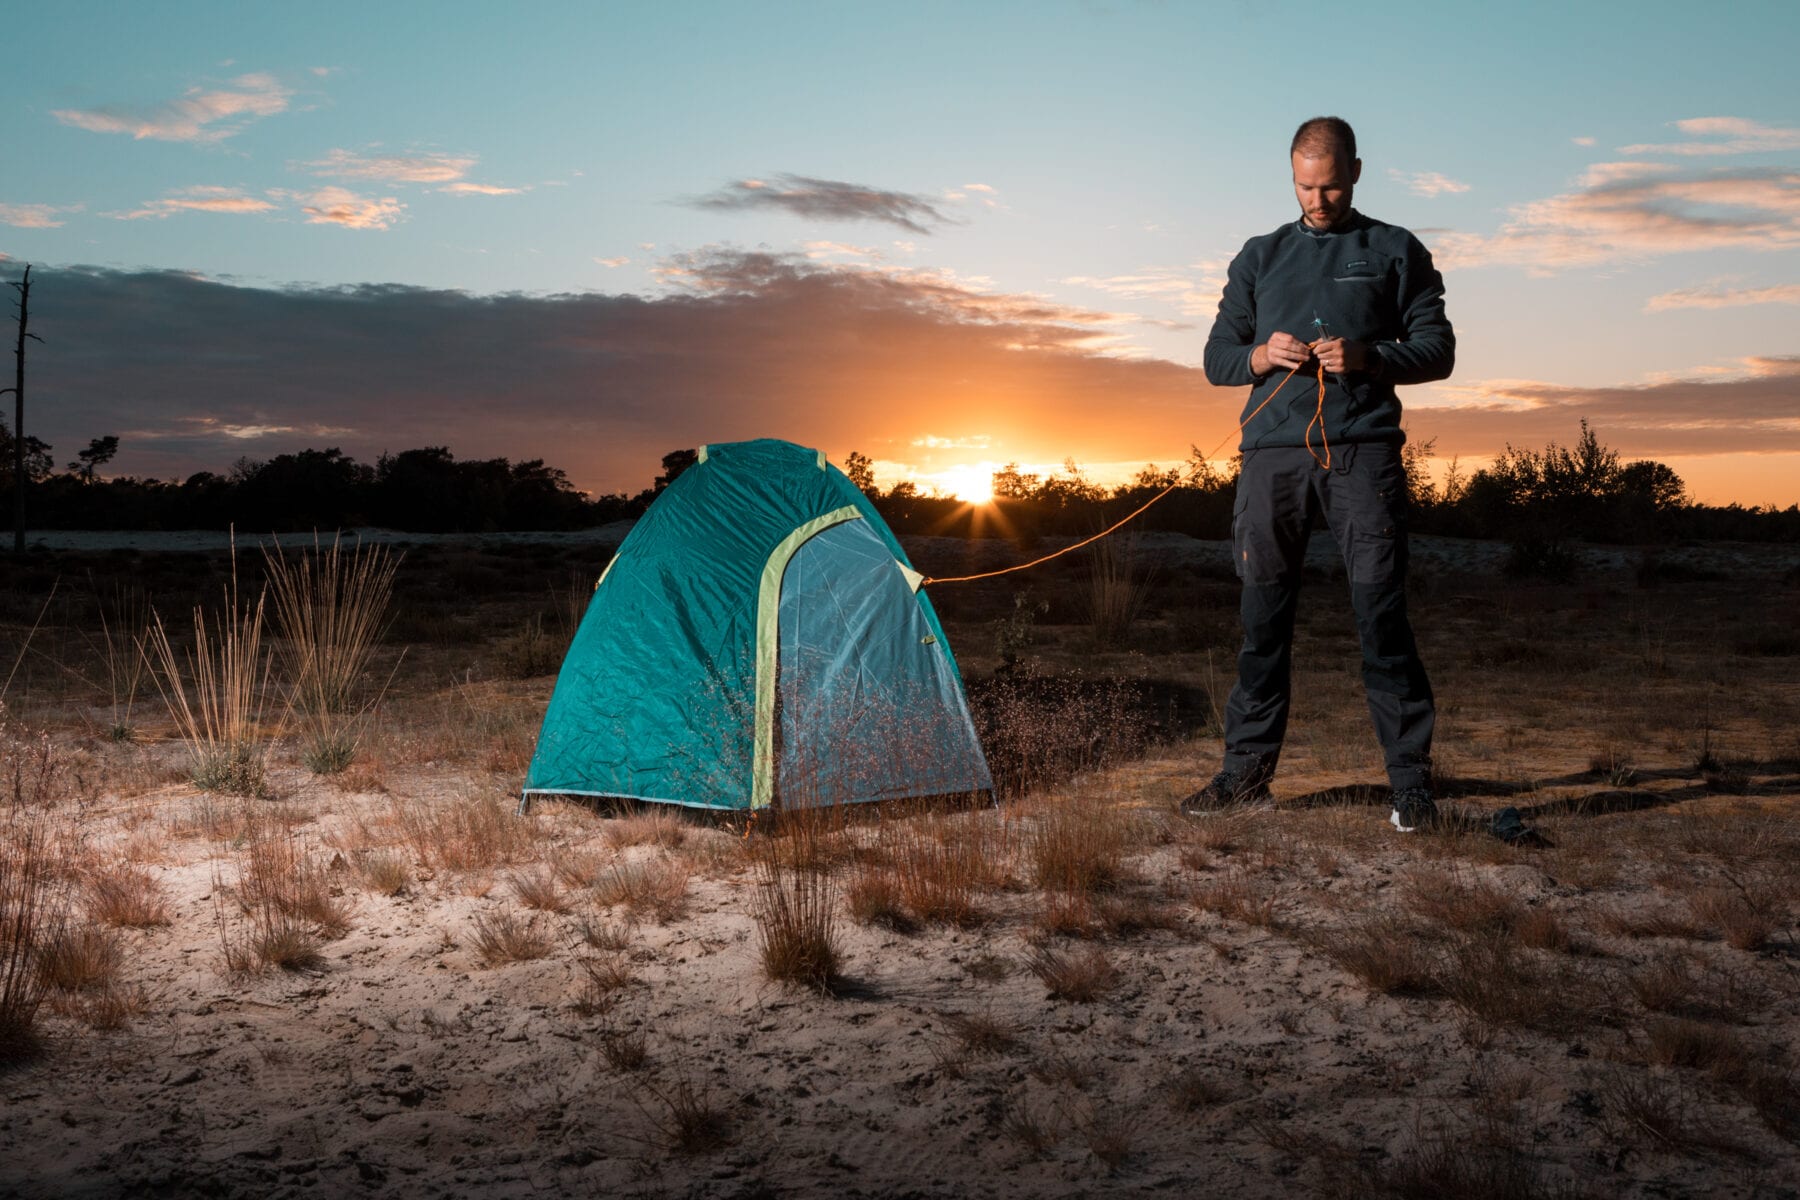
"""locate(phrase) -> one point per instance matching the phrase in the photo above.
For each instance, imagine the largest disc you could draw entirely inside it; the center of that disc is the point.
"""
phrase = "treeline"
(424, 490)
(1538, 500)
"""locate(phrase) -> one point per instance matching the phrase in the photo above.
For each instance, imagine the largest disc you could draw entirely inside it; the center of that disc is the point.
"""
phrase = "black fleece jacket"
(1367, 281)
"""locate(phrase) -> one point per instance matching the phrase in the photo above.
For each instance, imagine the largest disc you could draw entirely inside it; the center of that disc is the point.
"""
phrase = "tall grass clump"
(33, 914)
(794, 908)
(219, 701)
(330, 612)
(124, 634)
(35, 878)
(1116, 591)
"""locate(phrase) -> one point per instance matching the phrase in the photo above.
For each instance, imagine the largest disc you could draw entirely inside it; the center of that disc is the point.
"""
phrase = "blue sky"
(983, 232)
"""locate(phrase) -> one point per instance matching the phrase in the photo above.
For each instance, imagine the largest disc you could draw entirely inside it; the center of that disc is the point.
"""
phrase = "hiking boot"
(1229, 791)
(1414, 809)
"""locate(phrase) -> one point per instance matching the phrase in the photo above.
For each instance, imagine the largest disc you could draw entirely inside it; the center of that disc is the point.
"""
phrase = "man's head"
(1325, 170)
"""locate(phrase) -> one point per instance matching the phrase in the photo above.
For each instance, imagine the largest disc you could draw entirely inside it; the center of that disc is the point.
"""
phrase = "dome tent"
(759, 638)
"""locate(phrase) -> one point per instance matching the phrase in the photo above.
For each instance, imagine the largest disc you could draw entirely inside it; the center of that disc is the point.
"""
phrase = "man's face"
(1323, 187)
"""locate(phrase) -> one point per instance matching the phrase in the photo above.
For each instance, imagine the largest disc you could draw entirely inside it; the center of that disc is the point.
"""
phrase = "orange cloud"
(1786, 293)
(338, 206)
(199, 116)
(1753, 409)
(196, 199)
(1429, 184)
(1634, 210)
(393, 168)
(1738, 136)
(35, 216)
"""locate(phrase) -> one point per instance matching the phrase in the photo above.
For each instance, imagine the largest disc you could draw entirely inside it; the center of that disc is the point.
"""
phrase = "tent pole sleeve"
(768, 625)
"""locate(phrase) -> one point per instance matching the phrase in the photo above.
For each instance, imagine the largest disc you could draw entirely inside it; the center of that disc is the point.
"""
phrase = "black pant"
(1362, 498)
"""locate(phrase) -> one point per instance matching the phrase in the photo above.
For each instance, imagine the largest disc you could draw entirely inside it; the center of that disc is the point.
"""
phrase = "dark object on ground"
(1510, 828)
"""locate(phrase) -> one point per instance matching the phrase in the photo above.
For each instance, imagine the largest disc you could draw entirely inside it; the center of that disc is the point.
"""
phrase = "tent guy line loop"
(1318, 419)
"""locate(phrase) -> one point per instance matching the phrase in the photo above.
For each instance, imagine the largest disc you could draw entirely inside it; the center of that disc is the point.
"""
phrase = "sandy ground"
(1234, 1053)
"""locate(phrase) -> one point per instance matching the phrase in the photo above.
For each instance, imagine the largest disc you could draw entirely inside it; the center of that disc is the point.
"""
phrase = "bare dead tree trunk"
(23, 287)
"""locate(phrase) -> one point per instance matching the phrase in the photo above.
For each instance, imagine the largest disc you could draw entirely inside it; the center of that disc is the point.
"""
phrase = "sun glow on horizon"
(972, 483)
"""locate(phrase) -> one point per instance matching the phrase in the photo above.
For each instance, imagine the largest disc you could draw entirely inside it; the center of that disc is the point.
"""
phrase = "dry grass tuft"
(1679, 986)
(625, 1049)
(1679, 1042)
(1745, 918)
(657, 889)
(219, 702)
(126, 896)
(1082, 976)
(330, 610)
(605, 979)
(1238, 897)
(504, 937)
(607, 936)
(1109, 1134)
(470, 834)
(1659, 1110)
(648, 827)
(33, 914)
(981, 1033)
(537, 888)
(1077, 844)
(82, 958)
(689, 1118)
(278, 873)
(1193, 1090)
(873, 898)
(1029, 1128)
(795, 911)
(381, 871)
(940, 867)
(1387, 953)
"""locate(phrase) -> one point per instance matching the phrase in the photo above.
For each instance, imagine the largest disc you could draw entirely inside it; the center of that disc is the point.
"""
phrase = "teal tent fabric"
(758, 639)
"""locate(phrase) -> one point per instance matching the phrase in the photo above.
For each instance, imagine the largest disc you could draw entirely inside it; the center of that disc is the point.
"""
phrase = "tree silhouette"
(20, 442)
(99, 452)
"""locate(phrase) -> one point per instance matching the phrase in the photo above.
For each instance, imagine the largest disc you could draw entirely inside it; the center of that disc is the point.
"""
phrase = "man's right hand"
(1283, 351)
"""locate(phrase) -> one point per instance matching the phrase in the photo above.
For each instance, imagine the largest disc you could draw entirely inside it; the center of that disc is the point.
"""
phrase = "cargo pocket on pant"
(1375, 555)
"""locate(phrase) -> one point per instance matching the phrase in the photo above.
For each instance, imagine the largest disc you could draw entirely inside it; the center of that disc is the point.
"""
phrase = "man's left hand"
(1341, 356)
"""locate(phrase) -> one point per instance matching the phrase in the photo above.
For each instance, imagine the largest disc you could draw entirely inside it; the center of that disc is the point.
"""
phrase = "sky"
(947, 236)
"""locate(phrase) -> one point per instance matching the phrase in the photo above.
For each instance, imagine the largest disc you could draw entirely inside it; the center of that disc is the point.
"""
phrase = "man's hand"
(1283, 351)
(1341, 356)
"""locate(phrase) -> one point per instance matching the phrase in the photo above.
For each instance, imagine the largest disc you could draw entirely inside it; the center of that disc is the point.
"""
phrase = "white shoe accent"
(1394, 820)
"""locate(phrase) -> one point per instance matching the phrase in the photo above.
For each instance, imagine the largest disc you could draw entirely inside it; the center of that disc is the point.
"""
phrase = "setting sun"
(972, 483)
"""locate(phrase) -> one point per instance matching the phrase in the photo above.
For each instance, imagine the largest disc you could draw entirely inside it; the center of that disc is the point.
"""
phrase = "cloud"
(826, 200)
(1194, 290)
(196, 199)
(1582, 141)
(338, 206)
(1785, 293)
(186, 369)
(617, 261)
(199, 116)
(393, 168)
(1752, 409)
(1736, 135)
(1634, 210)
(978, 441)
(1428, 183)
(481, 189)
(35, 216)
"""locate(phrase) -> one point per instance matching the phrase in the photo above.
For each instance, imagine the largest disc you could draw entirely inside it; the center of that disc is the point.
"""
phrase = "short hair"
(1324, 135)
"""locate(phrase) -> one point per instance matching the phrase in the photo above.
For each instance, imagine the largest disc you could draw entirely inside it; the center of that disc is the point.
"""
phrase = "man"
(1360, 298)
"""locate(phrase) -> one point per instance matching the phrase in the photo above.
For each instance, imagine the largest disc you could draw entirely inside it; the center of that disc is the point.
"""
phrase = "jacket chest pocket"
(1364, 270)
